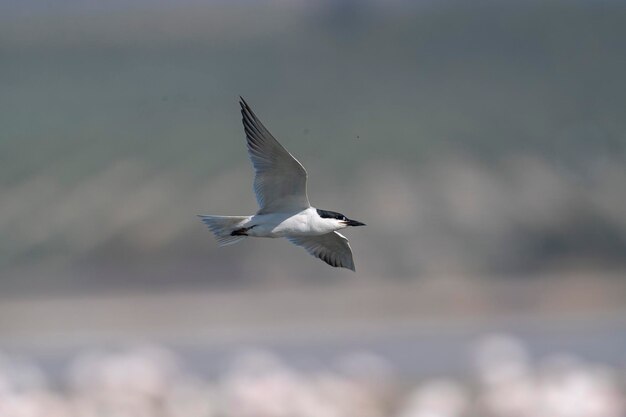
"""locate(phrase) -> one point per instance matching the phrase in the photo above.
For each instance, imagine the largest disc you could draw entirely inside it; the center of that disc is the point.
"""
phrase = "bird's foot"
(241, 232)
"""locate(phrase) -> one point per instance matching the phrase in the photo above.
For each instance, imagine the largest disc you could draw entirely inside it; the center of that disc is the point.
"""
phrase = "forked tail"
(223, 226)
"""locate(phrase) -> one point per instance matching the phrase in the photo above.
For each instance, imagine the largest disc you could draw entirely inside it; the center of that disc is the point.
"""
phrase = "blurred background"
(482, 142)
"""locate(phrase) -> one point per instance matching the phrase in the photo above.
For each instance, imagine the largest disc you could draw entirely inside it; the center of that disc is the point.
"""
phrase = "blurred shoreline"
(330, 317)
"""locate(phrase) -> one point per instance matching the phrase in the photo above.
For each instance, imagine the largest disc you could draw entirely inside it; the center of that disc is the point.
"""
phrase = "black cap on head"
(327, 214)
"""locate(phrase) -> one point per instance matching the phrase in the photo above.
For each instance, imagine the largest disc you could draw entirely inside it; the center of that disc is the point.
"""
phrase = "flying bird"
(285, 211)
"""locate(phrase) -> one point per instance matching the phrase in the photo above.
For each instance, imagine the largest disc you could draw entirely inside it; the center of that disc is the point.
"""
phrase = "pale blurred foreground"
(152, 381)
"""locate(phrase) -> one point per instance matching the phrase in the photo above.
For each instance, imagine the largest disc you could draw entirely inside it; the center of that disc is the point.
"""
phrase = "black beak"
(354, 223)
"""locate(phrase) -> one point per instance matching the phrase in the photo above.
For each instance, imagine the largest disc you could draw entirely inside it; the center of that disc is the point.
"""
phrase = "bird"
(280, 186)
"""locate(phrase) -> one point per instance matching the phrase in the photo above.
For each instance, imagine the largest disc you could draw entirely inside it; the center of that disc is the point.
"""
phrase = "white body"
(302, 223)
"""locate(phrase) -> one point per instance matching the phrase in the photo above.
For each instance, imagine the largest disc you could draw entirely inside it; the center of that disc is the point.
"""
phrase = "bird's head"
(340, 220)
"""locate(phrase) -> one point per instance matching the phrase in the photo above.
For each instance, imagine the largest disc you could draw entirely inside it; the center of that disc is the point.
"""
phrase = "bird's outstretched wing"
(332, 248)
(280, 181)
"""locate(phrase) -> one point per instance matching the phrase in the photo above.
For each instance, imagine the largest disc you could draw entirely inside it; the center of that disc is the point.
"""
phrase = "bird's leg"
(242, 231)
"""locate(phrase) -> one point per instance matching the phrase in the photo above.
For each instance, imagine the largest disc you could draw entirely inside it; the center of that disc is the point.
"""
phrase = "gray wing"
(280, 181)
(332, 248)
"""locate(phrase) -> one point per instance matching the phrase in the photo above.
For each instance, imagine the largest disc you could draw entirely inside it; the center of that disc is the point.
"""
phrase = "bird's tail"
(223, 226)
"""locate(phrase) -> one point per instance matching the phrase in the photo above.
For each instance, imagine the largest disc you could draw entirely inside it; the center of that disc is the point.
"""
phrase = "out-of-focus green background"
(482, 142)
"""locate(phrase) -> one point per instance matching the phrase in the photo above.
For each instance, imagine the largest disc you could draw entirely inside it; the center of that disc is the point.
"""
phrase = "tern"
(285, 211)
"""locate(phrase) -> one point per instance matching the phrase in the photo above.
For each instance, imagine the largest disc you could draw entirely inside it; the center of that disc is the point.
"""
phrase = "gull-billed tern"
(280, 188)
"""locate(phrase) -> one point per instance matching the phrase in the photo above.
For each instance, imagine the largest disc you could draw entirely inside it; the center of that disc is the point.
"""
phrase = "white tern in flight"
(280, 188)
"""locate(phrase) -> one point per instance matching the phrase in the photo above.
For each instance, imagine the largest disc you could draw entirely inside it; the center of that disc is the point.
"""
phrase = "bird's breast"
(296, 225)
